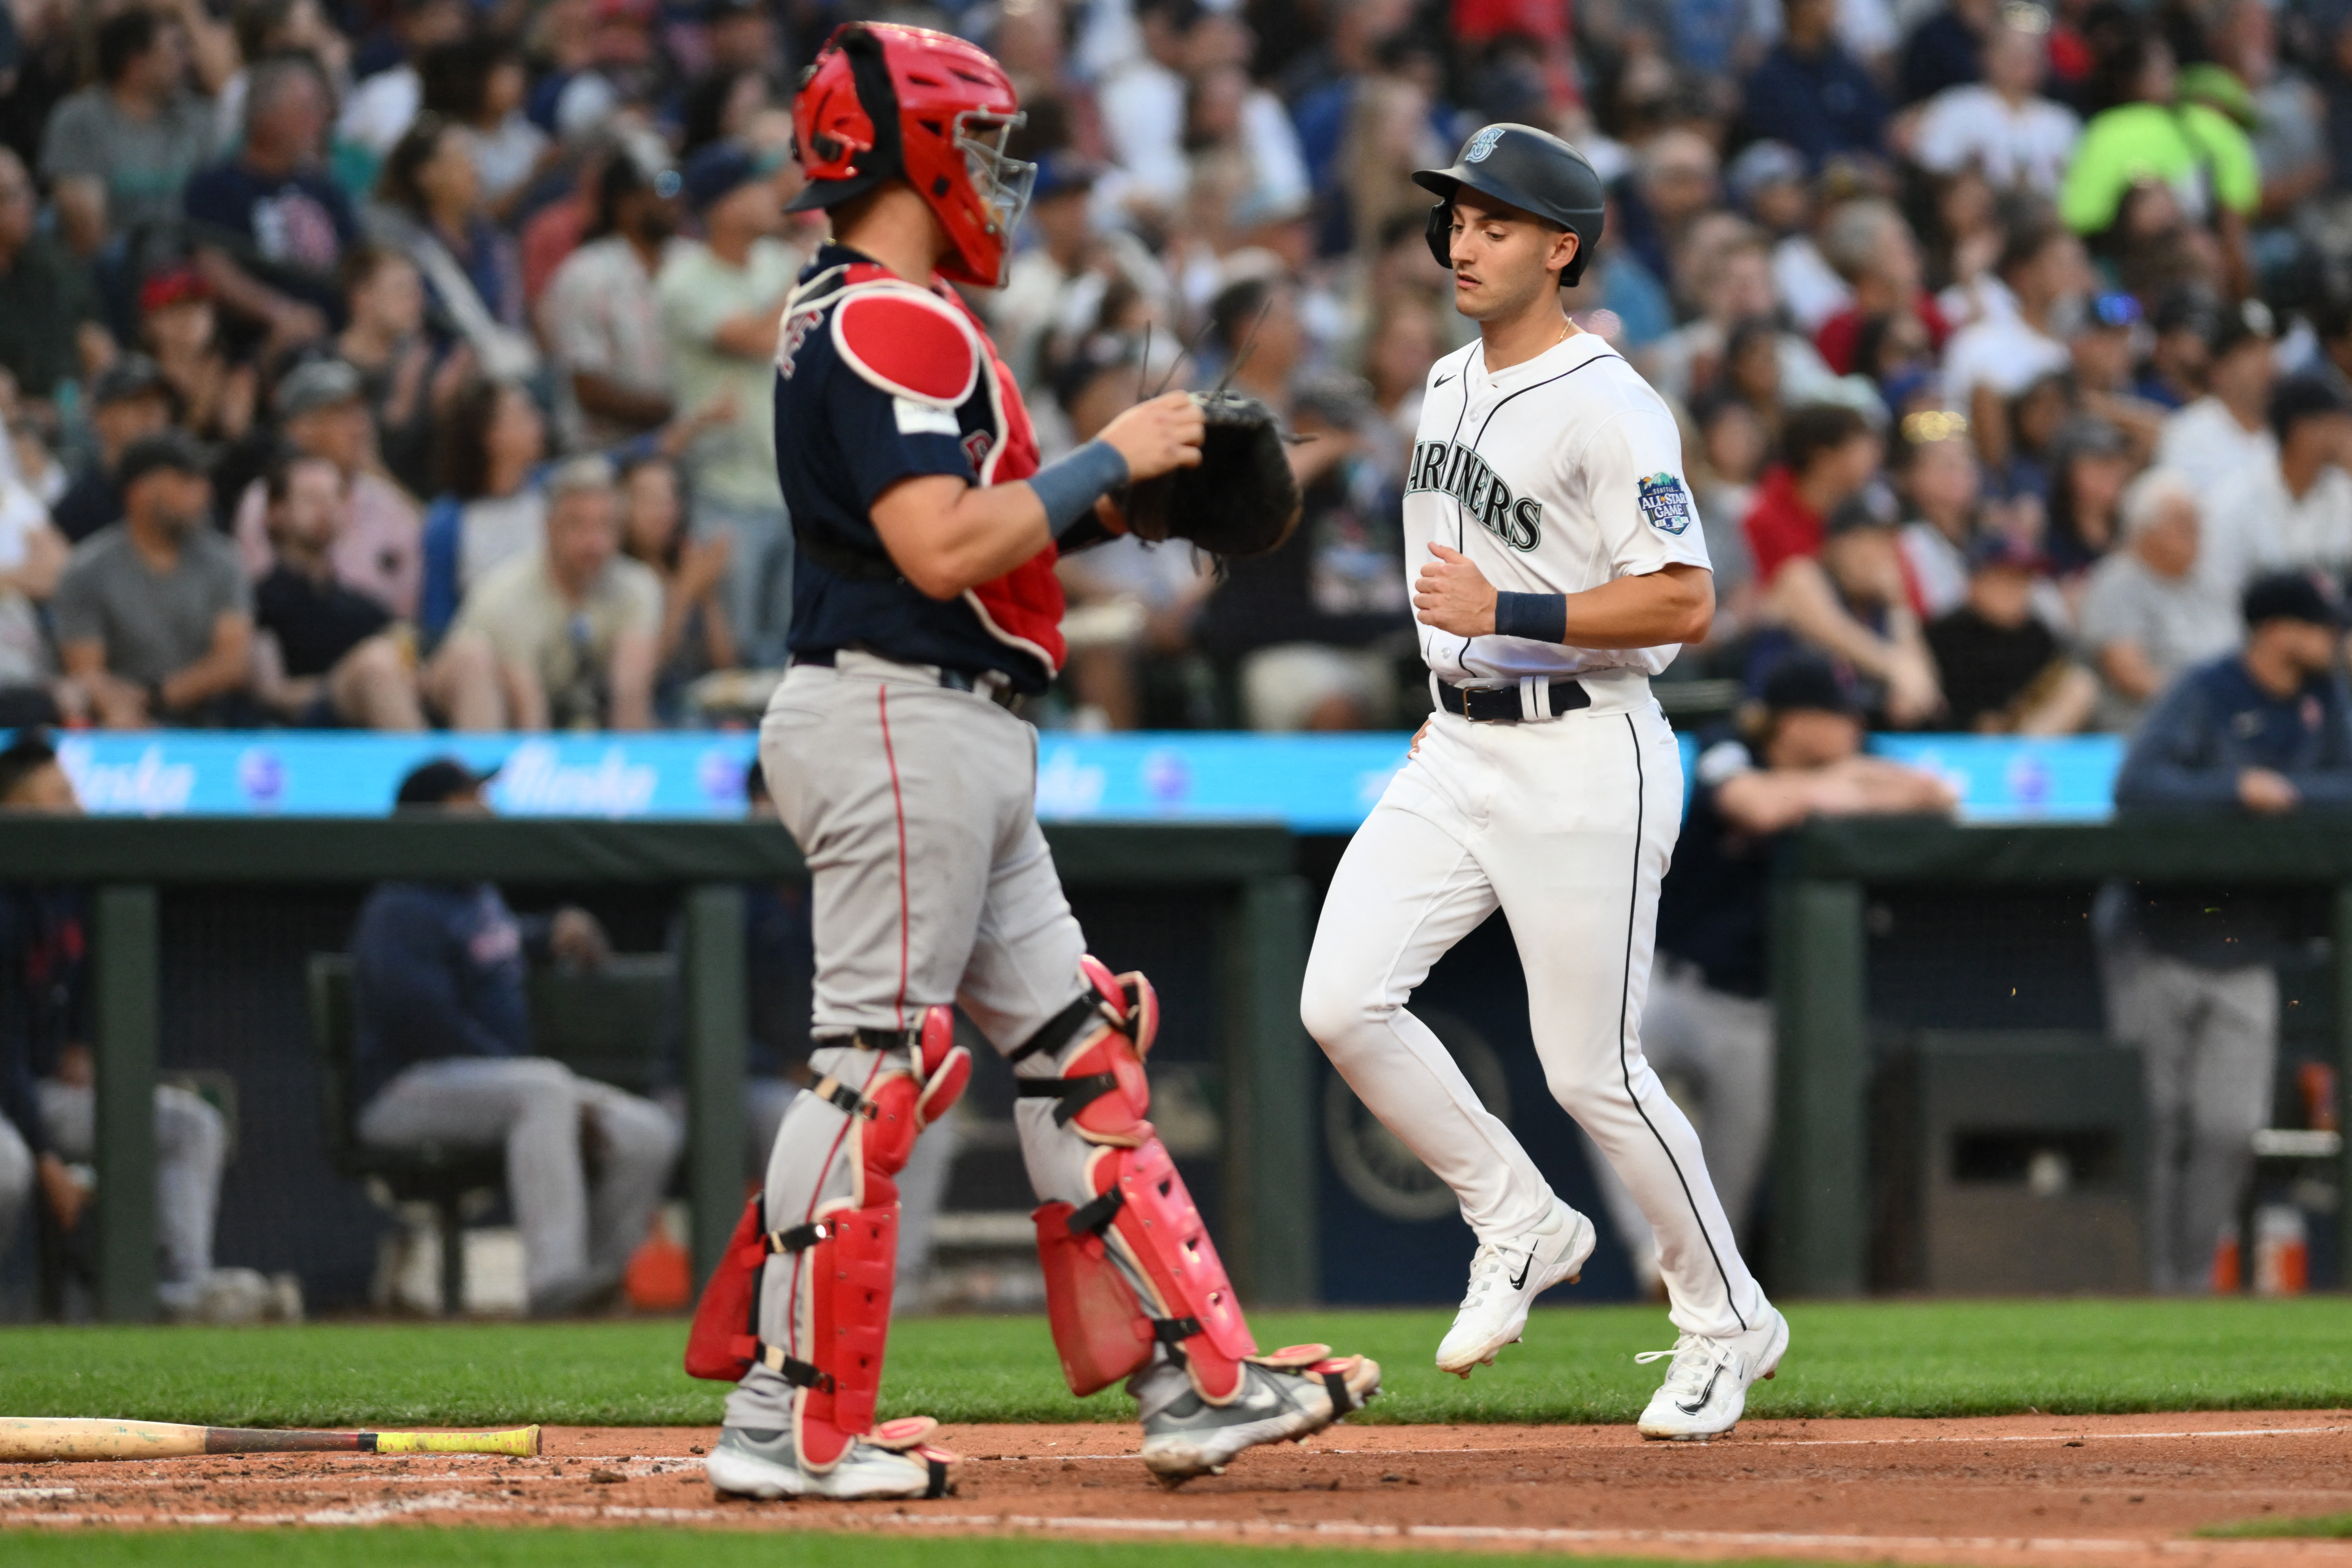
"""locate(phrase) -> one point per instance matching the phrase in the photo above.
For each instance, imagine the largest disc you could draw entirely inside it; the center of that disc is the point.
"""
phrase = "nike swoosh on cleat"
(1704, 1394)
(1521, 1282)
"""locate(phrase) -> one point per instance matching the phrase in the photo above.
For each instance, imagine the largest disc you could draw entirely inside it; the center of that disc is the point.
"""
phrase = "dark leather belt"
(1500, 704)
(987, 683)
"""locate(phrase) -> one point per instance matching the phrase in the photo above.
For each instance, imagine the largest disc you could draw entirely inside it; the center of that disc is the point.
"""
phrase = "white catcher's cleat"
(1708, 1381)
(1506, 1278)
(1291, 1394)
(891, 1461)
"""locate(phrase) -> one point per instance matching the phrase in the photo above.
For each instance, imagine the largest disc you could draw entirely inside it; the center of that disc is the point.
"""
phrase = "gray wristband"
(1070, 486)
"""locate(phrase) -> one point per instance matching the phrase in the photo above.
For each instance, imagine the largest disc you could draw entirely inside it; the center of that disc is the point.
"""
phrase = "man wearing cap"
(2296, 513)
(443, 1057)
(2225, 436)
(600, 317)
(2265, 732)
(379, 551)
(2148, 613)
(1708, 1022)
(128, 400)
(722, 303)
(1039, 278)
(154, 621)
(2003, 671)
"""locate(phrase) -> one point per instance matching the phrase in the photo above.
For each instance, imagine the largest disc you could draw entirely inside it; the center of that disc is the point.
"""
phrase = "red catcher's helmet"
(886, 102)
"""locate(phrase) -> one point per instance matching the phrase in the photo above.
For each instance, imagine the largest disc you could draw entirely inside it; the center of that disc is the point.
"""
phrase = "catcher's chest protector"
(873, 370)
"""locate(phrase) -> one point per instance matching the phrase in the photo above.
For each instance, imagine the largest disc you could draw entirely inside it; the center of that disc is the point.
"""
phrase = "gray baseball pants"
(915, 806)
(575, 1234)
(191, 1142)
(2208, 1046)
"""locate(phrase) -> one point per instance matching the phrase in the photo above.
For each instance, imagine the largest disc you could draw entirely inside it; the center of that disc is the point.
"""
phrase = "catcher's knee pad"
(888, 1105)
(1100, 1041)
(1102, 1329)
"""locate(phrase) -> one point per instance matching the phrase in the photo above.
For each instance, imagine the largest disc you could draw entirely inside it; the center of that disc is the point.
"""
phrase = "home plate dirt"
(2027, 1490)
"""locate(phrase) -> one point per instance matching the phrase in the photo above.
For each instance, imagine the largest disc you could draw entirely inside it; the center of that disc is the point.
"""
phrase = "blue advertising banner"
(1314, 784)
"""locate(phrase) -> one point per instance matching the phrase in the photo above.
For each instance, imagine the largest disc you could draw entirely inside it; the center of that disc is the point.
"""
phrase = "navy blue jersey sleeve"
(883, 439)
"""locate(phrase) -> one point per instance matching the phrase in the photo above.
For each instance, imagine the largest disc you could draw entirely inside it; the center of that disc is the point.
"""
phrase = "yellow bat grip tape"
(523, 1442)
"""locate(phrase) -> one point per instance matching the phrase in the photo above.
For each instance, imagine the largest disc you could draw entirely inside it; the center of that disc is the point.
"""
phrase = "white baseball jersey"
(1555, 475)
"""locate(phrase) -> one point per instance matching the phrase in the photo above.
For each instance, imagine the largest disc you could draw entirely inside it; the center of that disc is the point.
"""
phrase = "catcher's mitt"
(1241, 500)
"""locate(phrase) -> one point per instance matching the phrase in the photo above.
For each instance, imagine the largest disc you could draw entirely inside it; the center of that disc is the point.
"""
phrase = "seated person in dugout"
(444, 1056)
(48, 1113)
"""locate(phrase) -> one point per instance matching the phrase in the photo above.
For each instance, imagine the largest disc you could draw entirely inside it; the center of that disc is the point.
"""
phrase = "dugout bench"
(1822, 1191)
(1260, 944)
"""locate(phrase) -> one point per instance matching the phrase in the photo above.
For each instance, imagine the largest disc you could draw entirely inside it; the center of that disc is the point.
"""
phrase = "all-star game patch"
(1665, 503)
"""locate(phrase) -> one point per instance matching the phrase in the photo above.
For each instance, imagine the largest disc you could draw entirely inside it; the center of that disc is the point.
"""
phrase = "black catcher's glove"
(1241, 500)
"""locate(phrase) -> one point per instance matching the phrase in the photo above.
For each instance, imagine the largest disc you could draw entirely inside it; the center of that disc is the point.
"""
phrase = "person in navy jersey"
(270, 227)
(443, 1060)
(2265, 732)
(924, 607)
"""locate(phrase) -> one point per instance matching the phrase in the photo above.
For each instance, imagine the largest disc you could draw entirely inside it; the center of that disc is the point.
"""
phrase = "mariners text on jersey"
(1462, 473)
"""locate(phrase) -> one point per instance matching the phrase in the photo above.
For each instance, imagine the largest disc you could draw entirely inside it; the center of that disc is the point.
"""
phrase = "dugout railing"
(1829, 883)
(1269, 1232)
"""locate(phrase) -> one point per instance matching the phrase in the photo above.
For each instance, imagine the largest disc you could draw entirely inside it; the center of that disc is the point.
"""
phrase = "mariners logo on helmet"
(1482, 144)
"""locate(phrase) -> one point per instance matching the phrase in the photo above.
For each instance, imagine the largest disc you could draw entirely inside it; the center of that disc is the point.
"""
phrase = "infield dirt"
(2025, 1490)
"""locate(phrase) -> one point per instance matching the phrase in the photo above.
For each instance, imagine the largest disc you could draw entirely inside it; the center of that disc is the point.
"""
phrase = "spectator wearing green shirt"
(722, 303)
(2197, 151)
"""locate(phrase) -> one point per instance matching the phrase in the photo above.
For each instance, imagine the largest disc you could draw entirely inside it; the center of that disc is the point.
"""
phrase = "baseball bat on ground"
(62, 1438)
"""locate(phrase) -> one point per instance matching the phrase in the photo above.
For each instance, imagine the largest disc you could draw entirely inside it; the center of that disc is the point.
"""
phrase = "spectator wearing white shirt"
(1997, 357)
(600, 318)
(2295, 512)
(2003, 126)
(1142, 106)
(2148, 613)
(2225, 436)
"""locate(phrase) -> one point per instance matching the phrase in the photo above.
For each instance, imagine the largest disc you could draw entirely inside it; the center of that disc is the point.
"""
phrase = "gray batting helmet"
(1531, 170)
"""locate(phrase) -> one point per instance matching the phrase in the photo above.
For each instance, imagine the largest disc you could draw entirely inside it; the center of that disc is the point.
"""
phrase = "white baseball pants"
(1567, 825)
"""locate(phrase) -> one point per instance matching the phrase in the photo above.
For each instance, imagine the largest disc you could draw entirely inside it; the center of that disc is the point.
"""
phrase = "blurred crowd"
(397, 363)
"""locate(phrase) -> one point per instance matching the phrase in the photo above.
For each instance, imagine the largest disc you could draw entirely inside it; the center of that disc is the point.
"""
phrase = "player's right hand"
(1158, 437)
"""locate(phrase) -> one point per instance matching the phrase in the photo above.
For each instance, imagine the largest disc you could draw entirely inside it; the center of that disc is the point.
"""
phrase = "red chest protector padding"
(927, 347)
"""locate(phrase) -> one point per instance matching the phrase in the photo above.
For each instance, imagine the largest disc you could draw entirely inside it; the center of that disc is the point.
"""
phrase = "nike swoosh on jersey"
(1441, 381)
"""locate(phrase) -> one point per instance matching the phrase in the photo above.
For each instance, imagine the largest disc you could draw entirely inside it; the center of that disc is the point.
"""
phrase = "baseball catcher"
(924, 604)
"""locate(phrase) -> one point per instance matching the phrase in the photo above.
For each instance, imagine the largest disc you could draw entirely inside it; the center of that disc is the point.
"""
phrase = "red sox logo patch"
(976, 446)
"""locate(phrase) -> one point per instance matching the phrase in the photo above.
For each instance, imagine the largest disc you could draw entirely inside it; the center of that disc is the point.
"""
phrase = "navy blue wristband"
(1542, 618)
(1070, 486)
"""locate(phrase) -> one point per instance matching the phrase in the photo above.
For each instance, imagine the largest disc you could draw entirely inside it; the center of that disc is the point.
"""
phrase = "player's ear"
(1564, 247)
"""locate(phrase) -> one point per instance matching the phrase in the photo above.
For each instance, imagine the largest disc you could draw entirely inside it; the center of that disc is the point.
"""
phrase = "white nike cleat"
(1506, 1278)
(1289, 1396)
(1707, 1382)
(891, 1461)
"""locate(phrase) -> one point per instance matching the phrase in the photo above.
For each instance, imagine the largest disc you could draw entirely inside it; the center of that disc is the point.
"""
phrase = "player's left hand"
(1453, 595)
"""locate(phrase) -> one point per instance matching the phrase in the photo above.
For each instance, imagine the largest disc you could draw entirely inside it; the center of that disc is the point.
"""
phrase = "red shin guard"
(850, 1274)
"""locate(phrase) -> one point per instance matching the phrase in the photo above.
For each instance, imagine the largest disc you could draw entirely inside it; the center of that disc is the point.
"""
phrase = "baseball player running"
(1563, 564)
(924, 602)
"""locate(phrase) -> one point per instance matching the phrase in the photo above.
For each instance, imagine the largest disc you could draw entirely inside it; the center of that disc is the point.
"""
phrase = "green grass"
(410, 1546)
(2327, 1526)
(1848, 1359)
